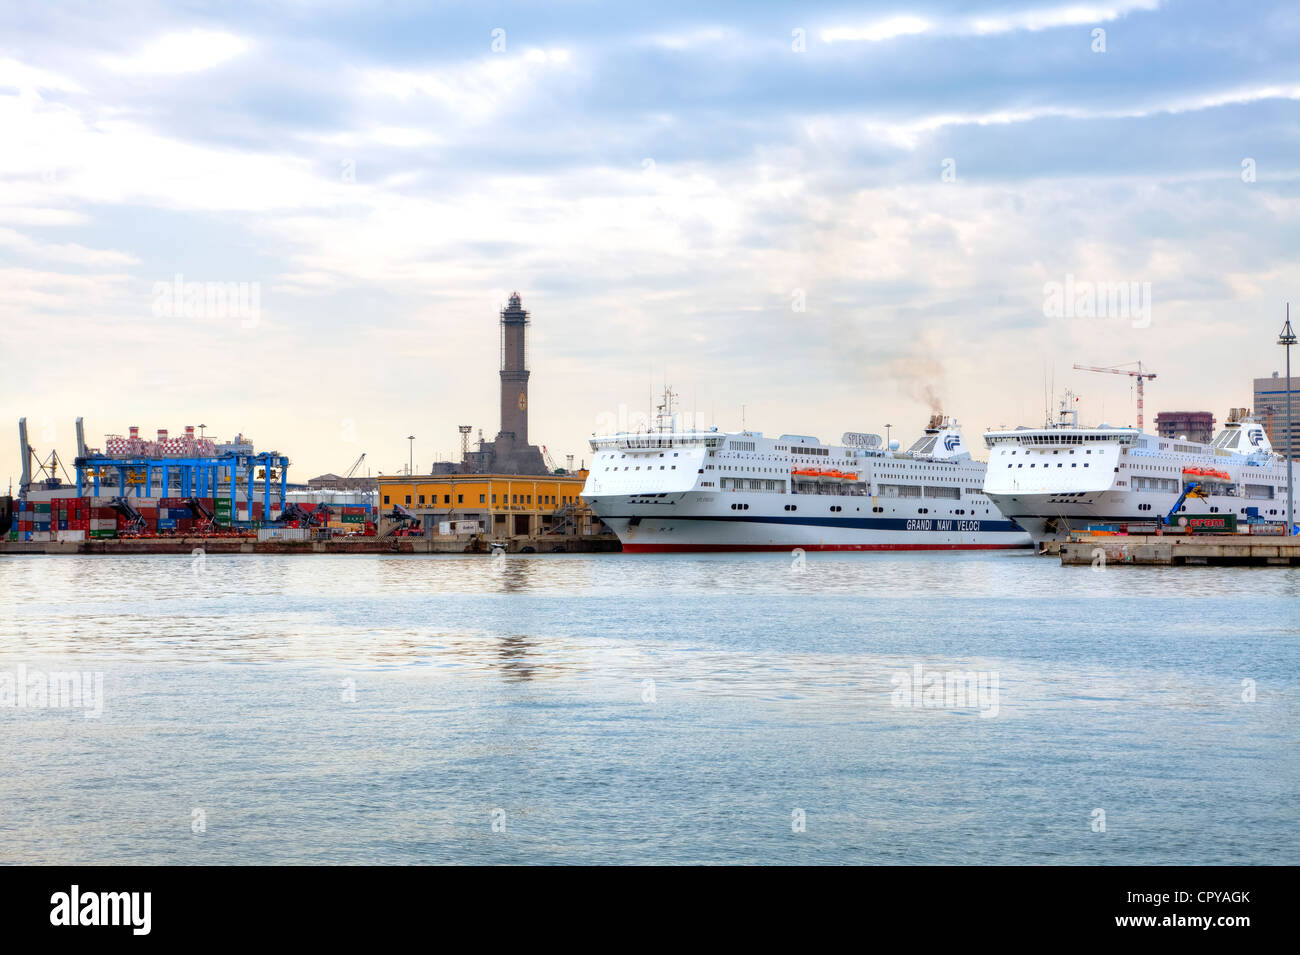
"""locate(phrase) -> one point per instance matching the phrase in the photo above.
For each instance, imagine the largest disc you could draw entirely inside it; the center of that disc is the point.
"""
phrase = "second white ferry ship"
(672, 490)
(1062, 477)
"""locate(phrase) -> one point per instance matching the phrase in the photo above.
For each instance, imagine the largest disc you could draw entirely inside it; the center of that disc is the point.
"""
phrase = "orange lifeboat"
(850, 475)
(1208, 473)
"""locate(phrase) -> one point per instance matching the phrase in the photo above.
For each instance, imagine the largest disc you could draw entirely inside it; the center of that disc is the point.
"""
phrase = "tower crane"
(550, 461)
(1139, 375)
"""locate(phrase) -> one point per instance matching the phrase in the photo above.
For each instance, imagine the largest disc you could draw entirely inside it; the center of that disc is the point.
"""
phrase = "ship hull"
(705, 533)
(1047, 518)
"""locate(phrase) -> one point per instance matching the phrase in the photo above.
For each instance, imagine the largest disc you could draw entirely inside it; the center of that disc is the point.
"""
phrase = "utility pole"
(1286, 339)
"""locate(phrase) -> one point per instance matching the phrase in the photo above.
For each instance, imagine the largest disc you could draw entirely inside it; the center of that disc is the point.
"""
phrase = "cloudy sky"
(834, 215)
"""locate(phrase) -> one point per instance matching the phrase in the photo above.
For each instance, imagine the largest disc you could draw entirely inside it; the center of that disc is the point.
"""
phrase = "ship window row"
(837, 487)
(652, 441)
(1057, 451)
(1059, 464)
(648, 467)
(751, 484)
(1154, 484)
(1049, 439)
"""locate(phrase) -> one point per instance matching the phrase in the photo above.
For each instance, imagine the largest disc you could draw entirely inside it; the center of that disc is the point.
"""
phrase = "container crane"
(1139, 375)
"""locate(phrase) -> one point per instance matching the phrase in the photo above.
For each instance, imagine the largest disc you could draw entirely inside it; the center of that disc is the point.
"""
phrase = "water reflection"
(513, 655)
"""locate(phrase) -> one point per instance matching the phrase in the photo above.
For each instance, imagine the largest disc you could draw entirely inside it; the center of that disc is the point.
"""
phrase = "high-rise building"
(1270, 409)
(1193, 425)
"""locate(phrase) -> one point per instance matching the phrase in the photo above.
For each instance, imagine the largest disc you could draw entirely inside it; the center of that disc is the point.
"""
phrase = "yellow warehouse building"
(504, 505)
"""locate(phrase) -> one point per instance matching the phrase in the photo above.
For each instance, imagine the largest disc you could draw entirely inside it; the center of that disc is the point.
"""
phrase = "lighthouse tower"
(511, 453)
(514, 370)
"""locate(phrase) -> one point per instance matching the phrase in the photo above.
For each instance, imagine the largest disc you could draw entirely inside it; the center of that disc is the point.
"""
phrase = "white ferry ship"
(672, 490)
(1062, 477)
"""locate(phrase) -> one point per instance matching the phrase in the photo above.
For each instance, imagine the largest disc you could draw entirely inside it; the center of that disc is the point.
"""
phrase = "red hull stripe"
(723, 548)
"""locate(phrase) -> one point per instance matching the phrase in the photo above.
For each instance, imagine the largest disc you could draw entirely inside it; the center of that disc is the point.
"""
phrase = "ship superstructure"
(698, 490)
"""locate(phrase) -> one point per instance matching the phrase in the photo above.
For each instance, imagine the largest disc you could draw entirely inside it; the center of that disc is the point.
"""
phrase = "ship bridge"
(1061, 437)
(657, 440)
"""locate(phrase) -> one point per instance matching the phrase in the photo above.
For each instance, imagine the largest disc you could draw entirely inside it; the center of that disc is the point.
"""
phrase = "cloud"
(878, 31)
(188, 52)
(1032, 19)
(26, 77)
(67, 252)
(1047, 18)
(474, 92)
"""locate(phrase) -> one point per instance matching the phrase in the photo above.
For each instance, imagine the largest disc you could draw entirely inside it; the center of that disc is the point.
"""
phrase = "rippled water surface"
(628, 708)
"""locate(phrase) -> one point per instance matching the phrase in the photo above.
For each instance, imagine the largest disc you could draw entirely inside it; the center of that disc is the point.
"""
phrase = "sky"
(809, 218)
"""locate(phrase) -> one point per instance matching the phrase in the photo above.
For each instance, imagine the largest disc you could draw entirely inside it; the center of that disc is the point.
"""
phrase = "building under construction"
(1192, 425)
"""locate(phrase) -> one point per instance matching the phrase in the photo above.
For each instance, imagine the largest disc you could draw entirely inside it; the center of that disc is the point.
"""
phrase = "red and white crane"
(1139, 375)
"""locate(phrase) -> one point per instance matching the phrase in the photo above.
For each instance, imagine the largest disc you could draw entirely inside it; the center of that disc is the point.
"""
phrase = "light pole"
(410, 467)
(1286, 339)
(887, 427)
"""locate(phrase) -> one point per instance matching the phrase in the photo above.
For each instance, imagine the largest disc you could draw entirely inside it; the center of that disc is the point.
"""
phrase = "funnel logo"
(951, 442)
(1256, 437)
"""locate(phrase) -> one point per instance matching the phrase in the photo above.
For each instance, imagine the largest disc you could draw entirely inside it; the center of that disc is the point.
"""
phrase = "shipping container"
(283, 533)
(1268, 530)
(1208, 523)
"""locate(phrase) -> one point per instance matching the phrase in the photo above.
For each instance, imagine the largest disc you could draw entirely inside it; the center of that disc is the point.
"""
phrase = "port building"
(495, 505)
